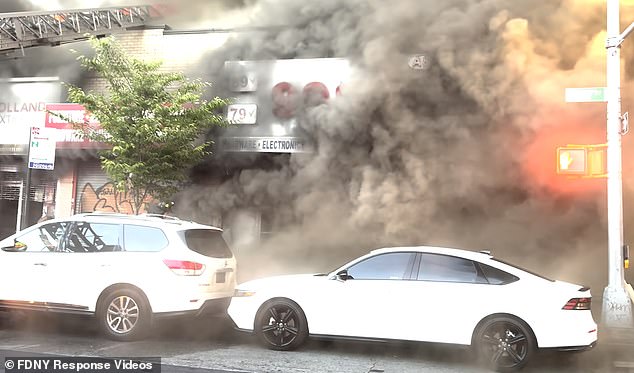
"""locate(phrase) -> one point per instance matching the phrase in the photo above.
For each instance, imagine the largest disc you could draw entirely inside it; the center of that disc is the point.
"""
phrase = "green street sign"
(594, 94)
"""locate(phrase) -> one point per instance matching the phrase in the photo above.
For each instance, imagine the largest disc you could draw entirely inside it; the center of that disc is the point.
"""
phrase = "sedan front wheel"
(281, 325)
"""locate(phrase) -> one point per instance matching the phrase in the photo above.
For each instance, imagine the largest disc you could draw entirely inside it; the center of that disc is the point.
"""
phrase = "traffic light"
(571, 160)
(581, 161)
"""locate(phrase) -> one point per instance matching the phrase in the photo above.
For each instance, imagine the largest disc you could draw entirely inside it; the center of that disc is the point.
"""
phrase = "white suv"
(124, 269)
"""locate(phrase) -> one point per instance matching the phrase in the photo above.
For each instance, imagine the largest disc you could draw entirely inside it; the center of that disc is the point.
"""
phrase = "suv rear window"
(207, 242)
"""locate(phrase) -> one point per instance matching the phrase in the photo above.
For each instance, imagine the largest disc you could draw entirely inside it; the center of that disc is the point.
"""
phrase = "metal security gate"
(41, 192)
(12, 175)
(94, 190)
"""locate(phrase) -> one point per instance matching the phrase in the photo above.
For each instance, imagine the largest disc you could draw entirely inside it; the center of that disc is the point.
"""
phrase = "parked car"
(427, 294)
(126, 270)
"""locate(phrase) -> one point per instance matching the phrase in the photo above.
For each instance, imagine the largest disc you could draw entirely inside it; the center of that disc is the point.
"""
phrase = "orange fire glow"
(540, 163)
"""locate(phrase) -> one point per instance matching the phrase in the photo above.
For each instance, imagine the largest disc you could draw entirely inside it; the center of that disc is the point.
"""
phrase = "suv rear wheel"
(124, 315)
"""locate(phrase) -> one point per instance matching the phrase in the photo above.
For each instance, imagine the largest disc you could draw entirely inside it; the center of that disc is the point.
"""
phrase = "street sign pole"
(40, 155)
(25, 200)
(24, 220)
(617, 306)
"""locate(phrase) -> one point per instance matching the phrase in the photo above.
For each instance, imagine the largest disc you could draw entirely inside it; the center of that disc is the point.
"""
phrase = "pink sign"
(65, 118)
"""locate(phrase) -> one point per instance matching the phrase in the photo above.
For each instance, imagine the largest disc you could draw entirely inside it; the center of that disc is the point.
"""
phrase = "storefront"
(22, 106)
(92, 190)
(269, 100)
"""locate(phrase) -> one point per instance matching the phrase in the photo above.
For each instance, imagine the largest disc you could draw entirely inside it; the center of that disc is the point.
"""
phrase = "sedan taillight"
(184, 267)
(578, 304)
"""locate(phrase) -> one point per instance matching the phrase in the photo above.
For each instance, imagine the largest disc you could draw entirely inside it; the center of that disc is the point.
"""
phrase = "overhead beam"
(30, 29)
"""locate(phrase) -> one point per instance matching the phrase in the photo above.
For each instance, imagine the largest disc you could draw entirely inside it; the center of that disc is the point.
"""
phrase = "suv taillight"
(184, 267)
(578, 304)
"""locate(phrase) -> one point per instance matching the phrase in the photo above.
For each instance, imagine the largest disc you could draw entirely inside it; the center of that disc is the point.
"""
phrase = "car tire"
(504, 344)
(124, 315)
(281, 325)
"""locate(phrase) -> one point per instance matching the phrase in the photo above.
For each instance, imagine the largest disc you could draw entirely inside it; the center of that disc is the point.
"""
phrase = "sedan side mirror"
(17, 247)
(343, 275)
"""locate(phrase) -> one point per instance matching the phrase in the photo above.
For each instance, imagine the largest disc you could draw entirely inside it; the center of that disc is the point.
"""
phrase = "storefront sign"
(265, 144)
(271, 98)
(64, 118)
(242, 113)
(22, 106)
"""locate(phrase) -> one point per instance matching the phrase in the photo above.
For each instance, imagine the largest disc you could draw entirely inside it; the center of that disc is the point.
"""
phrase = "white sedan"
(428, 294)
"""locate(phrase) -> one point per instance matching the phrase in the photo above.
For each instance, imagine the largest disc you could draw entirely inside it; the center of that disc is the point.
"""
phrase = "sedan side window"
(44, 238)
(390, 266)
(497, 276)
(445, 268)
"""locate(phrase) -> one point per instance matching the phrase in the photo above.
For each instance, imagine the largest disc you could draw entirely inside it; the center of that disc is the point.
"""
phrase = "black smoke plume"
(440, 157)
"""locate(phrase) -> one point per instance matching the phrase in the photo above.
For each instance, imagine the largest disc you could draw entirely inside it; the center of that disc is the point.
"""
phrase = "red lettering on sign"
(287, 100)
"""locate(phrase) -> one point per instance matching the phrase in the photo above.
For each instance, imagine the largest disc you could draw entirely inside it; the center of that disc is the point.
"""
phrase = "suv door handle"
(40, 264)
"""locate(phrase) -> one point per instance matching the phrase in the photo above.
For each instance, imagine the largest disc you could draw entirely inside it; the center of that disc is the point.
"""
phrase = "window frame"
(218, 235)
(37, 231)
(515, 278)
(408, 266)
(75, 224)
(480, 278)
(123, 238)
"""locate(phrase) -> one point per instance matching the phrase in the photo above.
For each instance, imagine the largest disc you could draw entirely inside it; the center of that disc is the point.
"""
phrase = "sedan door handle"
(40, 264)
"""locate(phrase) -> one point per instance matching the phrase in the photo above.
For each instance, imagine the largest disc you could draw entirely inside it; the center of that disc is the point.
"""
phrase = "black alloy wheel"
(281, 325)
(505, 344)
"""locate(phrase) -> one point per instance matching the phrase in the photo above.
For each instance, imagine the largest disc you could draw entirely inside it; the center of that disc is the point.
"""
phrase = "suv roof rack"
(487, 252)
(103, 213)
(161, 216)
(131, 216)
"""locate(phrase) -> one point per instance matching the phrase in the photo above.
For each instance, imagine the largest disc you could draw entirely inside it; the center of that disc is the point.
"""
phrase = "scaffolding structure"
(31, 29)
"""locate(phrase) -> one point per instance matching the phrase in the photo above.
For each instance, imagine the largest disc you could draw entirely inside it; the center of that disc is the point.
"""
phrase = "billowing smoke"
(461, 154)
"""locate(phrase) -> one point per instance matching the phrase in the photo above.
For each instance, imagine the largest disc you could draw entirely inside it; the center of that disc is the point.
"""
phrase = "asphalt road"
(12, 354)
(211, 345)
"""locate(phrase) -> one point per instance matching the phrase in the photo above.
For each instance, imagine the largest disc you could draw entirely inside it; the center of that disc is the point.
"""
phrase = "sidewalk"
(617, 346)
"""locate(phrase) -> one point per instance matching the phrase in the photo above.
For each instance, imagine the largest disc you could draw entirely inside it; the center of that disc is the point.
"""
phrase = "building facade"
(268, 98)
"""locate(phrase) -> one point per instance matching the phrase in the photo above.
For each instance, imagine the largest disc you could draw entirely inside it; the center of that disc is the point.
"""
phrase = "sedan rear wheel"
(504, 344)
(281, 325)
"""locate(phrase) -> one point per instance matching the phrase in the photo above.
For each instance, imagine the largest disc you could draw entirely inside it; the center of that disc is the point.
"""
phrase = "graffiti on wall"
(107, 198)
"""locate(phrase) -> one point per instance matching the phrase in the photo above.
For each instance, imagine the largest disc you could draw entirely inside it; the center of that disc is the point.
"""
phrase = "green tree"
(154, 122)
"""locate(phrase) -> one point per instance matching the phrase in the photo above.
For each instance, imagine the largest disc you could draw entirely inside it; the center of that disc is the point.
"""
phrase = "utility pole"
(617, 305)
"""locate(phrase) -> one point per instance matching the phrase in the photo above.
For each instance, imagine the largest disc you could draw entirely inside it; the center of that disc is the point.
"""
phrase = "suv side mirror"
(343, 275)
(17, 247)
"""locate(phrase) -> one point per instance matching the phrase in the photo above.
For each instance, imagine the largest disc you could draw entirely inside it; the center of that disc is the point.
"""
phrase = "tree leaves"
(151, 120)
